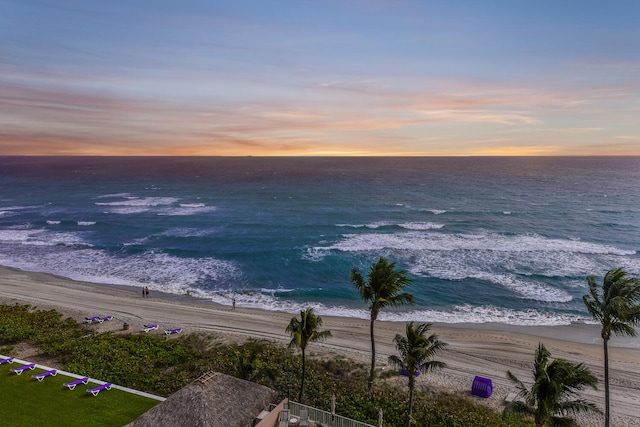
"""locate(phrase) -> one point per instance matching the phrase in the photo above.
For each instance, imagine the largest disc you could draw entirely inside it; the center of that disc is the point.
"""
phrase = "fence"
(325, 418)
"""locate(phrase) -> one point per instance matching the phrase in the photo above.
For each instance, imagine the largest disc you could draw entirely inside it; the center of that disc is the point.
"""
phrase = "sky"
(320, 78)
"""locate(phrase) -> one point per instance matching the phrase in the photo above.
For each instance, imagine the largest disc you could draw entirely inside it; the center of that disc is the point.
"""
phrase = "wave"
(405, 225)
(18, 208)
(470, 242)
(527, 289)
(8, 211)
(487, 314)
(53, 222)
(181, 232)
(159, 271)
(186, 232)
(39, 237)
(434, 211)
(372, 225)
(187, 209)
(133, 205)
(508, 261)
(110, 196)
(86, 223)
(162, 205)
(421, 225)
(465, 313)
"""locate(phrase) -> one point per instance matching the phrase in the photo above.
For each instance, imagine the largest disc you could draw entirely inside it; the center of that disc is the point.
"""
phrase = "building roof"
(213, 400)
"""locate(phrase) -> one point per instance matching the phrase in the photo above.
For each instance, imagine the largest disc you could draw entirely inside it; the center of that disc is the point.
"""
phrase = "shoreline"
(474, 349)
(584, 333)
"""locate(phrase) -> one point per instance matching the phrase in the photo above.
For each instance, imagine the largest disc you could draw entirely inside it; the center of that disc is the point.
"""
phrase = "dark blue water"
(484, 239)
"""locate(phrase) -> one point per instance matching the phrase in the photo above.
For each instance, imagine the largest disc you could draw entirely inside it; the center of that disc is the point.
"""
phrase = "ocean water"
(508, 240)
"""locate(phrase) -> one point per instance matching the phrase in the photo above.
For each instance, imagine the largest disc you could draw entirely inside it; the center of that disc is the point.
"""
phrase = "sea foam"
(457, 314)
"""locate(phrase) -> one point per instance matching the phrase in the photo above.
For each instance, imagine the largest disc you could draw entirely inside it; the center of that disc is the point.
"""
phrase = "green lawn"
(24, 401)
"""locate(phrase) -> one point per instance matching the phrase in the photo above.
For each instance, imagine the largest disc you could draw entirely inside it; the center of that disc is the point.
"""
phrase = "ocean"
(497, 239)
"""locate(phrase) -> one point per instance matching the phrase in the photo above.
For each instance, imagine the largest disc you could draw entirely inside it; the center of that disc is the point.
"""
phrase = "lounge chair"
(283, 419)
(72, 384)
(7, 360)
(105, 318)
(173, 331)
(21, 369)
(92, 319)
(43, 375)
(94, 391)
(304, 418)
(148, 328)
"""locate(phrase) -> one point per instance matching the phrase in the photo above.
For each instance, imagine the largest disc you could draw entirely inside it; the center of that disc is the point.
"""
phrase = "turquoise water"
(507, 240)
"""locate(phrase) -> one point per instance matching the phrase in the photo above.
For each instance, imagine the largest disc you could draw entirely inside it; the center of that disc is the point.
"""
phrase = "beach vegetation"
(553, 397)
(384, 287)
(142, 362)
(248, 364)
(23, 322)
(616, 306)
(416, 351)
(161, 366)
(303, 332)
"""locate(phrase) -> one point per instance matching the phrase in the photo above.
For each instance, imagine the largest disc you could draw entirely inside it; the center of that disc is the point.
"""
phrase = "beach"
(487, 350)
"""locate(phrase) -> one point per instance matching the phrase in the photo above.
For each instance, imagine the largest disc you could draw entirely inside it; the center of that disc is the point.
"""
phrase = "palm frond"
(556, 384)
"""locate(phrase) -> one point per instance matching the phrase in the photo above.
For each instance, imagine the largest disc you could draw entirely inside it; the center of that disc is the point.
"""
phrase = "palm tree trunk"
(304, 369)
(373, 358)
(412, 384)
(606, 383)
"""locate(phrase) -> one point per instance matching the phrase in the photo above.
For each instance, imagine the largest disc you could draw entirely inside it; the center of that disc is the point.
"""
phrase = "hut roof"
(213, 400)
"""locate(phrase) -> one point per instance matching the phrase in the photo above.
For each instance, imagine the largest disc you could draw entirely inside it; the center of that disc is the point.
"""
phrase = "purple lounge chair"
(72, 384)
(21, 369)
(148, 328)
(7, 360)
(91, 319)
(173, 331)
(94, 391)
(43, 375)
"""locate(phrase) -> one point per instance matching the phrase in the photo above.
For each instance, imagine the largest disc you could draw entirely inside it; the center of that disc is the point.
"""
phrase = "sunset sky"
(304, 78)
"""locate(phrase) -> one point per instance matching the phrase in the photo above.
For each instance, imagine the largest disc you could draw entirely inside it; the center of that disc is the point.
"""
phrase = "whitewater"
(506, 240)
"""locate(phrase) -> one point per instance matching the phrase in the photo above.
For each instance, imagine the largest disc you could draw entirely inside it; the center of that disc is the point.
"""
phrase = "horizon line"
(317, 156)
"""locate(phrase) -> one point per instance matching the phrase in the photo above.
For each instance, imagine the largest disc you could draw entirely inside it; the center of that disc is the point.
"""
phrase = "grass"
(25, 401)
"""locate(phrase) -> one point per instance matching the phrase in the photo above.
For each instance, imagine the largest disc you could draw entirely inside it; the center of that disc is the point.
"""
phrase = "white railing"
(324, 418)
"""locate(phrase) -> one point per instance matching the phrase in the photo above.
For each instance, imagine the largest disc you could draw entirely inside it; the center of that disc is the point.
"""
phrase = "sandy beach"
(486, 350)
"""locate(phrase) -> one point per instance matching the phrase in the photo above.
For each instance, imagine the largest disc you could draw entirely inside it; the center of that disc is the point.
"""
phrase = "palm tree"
(552, 397)
(383, 288)
(303, 332)
(416, 351)
(617, 308)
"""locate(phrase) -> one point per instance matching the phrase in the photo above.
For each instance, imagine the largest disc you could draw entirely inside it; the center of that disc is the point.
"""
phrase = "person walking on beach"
(143, 292)
(146, 291)
(233, 304)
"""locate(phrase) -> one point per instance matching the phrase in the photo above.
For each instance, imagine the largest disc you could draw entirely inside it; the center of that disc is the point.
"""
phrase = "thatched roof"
(213, 400)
